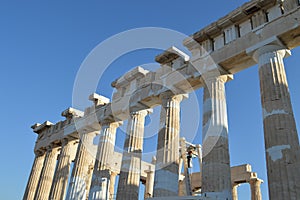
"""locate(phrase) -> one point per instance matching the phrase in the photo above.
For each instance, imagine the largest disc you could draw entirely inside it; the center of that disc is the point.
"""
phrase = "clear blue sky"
(43, 43)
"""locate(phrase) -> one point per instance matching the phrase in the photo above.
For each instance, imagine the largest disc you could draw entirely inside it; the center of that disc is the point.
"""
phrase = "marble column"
(60, 181)
(149, 183)
(235, 192)
(34, 176)
(255, 189)
(216, 178)
(167, 156)
(102, 164)
(129, 179)
(280, 133)
(82, 169)
(46, 177)
(112, 182)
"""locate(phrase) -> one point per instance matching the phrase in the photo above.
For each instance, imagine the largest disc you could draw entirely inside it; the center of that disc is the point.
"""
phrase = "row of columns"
(48, 178)
(60, 181)
(164, 182)
(281, 145)
(168, 161)
(281, 138)
(130, 174)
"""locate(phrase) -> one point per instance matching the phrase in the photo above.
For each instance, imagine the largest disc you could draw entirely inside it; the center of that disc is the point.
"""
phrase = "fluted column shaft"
(167, 156)
(82, 169)
(102, 164)
(60, 182)
(46, 178)
(280, 133)
(112, 182)
(255, 189)
(216, 178)
(129, 179)
(34, 176)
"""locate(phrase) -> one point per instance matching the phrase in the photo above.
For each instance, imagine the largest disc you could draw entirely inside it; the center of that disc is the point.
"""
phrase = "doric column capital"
(39, 152)
(141, 112)
(255, 181)
(49, 147)
(213, 77)
(109, 123)
(271, 50)
(169, 96)
(113, 173)
(150, 169)
(104, 123)
(64, 141)
(52, 148)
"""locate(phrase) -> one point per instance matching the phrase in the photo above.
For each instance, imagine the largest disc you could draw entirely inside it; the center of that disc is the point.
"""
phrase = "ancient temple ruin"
(259, 32)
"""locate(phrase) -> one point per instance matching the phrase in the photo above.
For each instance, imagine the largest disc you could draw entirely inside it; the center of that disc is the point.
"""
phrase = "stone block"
(98, 99)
